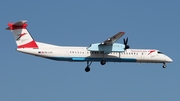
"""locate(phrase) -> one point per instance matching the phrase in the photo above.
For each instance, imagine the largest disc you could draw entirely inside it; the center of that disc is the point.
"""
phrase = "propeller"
(125, 43)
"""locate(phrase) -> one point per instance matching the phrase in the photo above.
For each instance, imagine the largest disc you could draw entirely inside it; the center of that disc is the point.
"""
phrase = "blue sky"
(150, 24)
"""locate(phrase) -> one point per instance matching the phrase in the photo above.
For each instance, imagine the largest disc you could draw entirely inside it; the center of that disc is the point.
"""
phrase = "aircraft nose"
(168, 59)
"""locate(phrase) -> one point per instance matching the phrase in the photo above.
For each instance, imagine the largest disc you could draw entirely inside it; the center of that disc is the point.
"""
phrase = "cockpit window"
(159, 52)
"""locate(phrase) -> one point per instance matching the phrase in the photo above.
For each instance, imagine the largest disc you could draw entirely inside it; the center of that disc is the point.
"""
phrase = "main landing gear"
(164, 65)
(103, 62)
(87, 69)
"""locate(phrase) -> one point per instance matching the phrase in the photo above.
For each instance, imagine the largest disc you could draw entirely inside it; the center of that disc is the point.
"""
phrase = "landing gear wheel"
(164, 65)
(87, 69)
(103, 62)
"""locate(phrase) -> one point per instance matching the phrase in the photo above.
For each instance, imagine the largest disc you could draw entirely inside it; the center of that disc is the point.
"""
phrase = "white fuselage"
(65, 53)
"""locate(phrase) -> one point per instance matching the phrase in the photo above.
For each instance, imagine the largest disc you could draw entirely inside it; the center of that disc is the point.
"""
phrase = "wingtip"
(122, 32)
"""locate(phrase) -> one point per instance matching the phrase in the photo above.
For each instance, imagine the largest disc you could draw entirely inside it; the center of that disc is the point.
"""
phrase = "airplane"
(106, 51)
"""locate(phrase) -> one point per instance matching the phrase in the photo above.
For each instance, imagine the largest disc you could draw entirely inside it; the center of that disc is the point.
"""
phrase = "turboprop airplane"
(106, 51)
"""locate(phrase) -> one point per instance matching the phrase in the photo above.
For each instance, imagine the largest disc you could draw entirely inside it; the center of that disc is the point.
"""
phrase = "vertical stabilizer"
(22, 36)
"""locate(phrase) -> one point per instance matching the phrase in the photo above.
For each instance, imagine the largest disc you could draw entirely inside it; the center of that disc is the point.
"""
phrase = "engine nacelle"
(116, 47)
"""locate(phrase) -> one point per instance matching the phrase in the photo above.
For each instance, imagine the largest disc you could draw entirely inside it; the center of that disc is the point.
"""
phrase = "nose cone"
(168, 59)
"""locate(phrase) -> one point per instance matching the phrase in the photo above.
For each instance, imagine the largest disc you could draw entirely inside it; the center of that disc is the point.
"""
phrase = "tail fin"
(22, 37)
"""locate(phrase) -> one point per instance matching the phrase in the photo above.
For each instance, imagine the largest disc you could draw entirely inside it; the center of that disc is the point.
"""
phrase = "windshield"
(159, 52)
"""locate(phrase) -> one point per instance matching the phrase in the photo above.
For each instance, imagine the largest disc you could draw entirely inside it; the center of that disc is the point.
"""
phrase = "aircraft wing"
(113, 39)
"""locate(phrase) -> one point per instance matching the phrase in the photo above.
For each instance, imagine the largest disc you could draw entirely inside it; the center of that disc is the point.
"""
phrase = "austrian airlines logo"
(151, 51)
(20, 35)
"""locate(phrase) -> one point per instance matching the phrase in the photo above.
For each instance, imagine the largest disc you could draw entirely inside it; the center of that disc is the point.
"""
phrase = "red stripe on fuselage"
(31, 44)
(151, 51)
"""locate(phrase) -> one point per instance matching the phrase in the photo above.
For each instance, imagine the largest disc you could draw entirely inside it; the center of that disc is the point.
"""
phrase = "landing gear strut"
(103, 61)
(87, 69)
(164, 65)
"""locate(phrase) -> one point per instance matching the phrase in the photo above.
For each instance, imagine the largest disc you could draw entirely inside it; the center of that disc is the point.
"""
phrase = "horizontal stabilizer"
(18, 25)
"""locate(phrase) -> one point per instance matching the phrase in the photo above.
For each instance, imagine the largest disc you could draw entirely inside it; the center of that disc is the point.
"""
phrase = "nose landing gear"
(164, 65)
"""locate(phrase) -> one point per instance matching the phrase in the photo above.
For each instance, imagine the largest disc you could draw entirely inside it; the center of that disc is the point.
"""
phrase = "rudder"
(22, 36)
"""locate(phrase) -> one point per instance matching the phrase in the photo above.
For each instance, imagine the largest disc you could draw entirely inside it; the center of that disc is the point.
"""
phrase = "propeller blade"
(126, 43)
(126, 40)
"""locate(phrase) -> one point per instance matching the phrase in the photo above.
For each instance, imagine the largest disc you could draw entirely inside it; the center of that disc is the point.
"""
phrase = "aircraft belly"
(76, 59)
